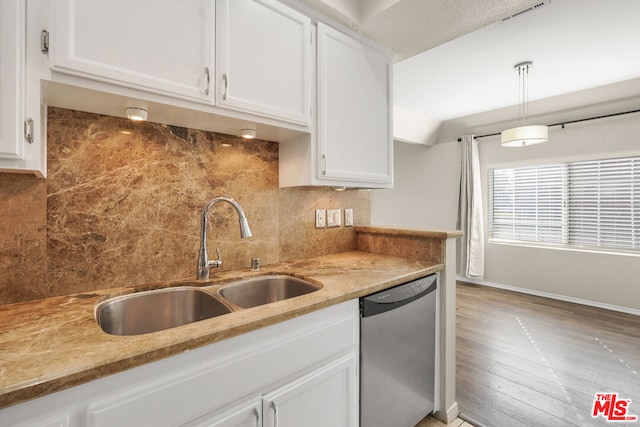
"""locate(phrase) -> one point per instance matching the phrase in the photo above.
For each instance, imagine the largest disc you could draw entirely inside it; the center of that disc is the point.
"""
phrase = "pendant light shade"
(524, 135)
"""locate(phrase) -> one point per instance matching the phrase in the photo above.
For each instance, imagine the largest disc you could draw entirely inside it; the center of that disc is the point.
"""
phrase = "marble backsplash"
(122, 204)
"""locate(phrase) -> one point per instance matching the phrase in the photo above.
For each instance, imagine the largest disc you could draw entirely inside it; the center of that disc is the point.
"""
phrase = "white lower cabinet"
(326, 397)
(246, 414)
(299, 372)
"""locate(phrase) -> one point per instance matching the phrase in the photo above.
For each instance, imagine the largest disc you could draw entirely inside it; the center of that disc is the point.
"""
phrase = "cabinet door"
(22, 128)
(12, 78)
(354, 138)
(247, 414)
(263, 59)
(163, 46)
(325, 397)
(44, 421)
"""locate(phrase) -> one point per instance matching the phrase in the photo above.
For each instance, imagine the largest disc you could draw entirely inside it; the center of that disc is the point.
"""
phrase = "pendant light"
(524, 135)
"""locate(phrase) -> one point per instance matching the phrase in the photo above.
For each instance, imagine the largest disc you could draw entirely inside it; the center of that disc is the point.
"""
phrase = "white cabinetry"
(250, 56)
(12, 85)
(161, 46)
(21, 141)
(304, 368)
(325, 397)
(354, 115)
(263, 59)
(352, 145)
(247, 414)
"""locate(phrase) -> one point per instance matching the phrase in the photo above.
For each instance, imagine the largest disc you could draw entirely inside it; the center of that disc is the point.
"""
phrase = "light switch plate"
(348, 217)
(321, 218)
(333, 218)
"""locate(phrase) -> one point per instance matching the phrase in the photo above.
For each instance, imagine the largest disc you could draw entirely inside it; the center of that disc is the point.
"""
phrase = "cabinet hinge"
(44, 41)
(28, 130)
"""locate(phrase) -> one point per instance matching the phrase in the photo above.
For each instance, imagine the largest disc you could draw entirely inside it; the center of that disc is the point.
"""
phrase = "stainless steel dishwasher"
(397, 354)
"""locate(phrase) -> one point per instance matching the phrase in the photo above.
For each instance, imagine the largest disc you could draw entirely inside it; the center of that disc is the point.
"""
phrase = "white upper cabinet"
(22, 138)
(354, 130)
(263, 59)
(12, 80)
(162, 46)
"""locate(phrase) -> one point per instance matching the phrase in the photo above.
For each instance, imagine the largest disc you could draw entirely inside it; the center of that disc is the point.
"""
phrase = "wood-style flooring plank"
(571, 390)
(497, 409)
(524, 360)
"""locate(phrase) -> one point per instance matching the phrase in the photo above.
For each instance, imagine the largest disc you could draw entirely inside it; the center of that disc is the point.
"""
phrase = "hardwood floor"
(434, 422)
(530, 361)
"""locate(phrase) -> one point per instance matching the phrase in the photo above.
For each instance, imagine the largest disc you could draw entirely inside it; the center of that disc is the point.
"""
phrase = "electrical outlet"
(333, 218)
(348, 217)
(321, 218)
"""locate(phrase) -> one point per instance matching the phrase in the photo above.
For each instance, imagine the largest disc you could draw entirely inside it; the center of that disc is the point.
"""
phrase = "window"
(585, 204)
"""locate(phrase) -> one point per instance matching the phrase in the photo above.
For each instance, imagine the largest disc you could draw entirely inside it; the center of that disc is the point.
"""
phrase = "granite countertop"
(51, 344)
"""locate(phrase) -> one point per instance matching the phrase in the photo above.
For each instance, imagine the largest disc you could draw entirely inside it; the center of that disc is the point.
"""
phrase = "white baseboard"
(550, 295)
(449, 415)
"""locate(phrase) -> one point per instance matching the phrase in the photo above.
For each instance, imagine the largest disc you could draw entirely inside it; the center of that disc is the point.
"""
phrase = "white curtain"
(470, 216)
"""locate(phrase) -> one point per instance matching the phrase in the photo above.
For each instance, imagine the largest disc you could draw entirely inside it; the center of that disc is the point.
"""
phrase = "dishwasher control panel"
(404, 291)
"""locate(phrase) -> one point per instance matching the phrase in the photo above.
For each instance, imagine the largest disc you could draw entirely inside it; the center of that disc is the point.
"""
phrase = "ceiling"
(455, 58)
(409, 27)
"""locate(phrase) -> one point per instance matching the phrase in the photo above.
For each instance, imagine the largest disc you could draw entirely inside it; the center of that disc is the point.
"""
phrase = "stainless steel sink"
(151, 311)
(265, 289)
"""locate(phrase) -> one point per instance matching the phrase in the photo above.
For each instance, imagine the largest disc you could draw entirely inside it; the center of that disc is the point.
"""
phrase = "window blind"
(604, 203)
(588, 204)
(526, 204)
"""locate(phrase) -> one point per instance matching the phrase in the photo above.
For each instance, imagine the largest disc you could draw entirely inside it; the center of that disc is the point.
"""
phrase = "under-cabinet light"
(247, 133)
(137, 114)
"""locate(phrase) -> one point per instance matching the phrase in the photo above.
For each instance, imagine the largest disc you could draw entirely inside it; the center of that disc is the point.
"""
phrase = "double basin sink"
(156, 310)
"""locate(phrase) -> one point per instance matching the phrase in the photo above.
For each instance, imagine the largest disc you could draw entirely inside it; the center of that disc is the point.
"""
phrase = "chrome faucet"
(204, 264)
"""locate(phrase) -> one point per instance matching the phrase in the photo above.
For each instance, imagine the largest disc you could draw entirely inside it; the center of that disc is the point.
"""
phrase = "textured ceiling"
(413, 26)
(408, 27)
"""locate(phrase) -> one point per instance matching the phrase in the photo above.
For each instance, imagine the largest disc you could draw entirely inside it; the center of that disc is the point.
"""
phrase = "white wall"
(603, 279)
(425, 193)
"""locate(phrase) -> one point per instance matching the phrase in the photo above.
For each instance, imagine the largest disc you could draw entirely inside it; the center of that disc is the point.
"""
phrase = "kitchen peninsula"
(55, 343)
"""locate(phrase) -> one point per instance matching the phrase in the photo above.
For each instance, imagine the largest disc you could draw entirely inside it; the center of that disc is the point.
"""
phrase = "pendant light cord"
(523, 90)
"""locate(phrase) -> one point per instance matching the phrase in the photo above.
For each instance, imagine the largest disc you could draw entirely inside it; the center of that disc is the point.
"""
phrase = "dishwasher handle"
(398, 296)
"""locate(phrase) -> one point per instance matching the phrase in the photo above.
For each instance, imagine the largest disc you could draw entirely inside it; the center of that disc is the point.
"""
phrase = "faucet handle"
(216, 262)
